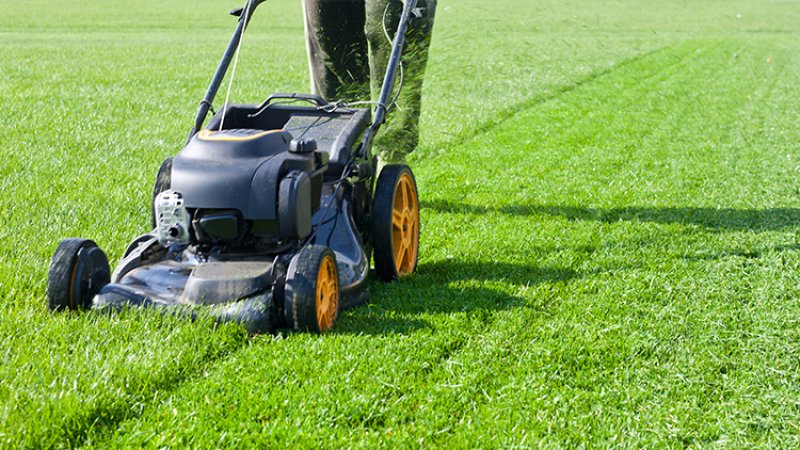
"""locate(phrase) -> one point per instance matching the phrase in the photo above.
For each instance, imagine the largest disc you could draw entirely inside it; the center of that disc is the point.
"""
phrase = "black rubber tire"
(303, 284)
(77, 272)
(393, 179)
(163, 183)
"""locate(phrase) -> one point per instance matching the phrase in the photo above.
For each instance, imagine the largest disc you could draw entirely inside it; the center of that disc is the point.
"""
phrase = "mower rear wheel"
(311, 301)
(77, 272)
(395, 223)
(163, 183)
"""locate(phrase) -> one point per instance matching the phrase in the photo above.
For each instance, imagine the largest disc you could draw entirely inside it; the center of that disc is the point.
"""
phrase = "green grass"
(610, 249)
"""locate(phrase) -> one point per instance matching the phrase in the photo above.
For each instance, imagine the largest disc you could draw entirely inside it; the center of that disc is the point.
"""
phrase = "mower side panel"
(335, 228)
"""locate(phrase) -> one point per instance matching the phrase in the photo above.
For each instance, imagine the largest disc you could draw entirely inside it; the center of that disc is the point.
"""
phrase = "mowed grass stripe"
(498, 118)
(637, 357)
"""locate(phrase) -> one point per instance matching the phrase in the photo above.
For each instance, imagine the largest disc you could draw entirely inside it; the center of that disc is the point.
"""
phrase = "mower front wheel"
(311, 301)
(77, 272)
(395, 223)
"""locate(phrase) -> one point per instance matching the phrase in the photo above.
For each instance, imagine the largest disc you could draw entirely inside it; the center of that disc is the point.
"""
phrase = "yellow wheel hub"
(405, 225)
(327, 294)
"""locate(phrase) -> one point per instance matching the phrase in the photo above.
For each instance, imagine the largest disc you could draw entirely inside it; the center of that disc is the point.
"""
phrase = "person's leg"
(400, 135)
(337, 48)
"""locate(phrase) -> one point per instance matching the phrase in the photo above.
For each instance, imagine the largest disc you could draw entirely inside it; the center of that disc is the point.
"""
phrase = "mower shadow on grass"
(715, 219)
(450, 287)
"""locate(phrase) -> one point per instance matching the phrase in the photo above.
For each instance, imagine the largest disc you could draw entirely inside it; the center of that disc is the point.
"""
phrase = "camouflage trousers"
(348, 51)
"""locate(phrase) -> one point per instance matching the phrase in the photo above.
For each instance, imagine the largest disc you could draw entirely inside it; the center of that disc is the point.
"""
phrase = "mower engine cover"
(244, 182)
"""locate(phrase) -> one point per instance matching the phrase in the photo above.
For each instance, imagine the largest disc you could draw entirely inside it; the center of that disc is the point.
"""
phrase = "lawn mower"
(268, 216)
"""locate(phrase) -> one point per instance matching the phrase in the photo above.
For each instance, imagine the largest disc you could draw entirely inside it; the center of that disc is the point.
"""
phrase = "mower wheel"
(311, 299)
(163, 183)
(77, 272)
(395, 223)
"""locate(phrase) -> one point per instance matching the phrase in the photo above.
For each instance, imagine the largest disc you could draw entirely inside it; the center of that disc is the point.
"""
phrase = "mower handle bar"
(384, 99)
(315, 99)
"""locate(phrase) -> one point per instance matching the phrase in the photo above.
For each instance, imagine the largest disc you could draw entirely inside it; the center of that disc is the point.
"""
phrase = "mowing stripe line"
(102, 429)
(668, 70)
(504, 115)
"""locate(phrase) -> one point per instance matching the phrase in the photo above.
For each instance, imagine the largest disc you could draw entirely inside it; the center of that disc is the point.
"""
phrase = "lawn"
(610, 254)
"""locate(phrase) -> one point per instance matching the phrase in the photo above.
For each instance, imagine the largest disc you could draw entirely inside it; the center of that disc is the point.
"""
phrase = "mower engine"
(173, 218)
(241, 186)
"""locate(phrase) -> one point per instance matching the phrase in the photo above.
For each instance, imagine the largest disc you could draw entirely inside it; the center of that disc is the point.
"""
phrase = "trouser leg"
(337, 48)
(400, 135)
